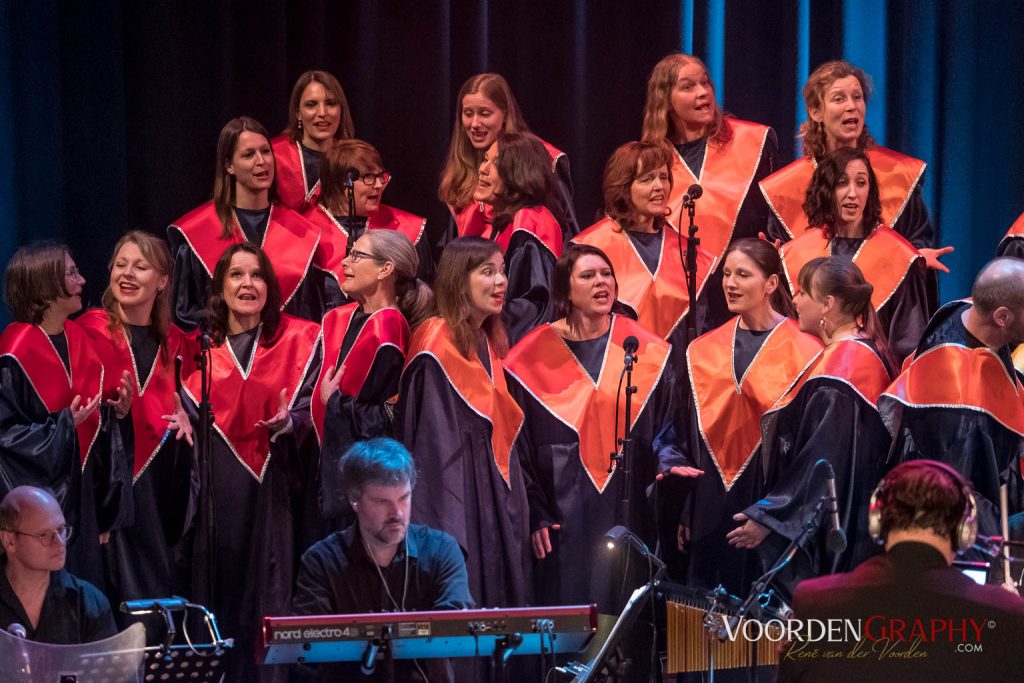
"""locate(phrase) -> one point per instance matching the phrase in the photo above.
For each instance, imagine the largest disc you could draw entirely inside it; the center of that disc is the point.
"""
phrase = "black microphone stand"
(622, 457)
(353, 224)
(690, 268)
(205, 360)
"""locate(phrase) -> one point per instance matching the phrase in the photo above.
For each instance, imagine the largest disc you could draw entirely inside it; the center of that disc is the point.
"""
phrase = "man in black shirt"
(35, 591)
(381, 563)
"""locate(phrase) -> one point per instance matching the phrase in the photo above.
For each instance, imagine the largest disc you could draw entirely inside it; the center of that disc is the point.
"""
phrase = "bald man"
(960, 401)
(35, 591)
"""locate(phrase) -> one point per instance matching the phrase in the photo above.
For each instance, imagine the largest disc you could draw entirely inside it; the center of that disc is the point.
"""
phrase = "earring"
(824, 326)
(300, 124)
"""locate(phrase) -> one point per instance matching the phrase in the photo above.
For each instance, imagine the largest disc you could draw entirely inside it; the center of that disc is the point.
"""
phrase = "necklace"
(405, 579)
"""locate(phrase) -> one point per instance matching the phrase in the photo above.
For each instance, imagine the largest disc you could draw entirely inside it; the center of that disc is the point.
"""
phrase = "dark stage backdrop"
(109, 112)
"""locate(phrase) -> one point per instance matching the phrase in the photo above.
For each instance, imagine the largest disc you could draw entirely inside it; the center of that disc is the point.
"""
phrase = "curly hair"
(217, 308)
(460, 170)
(627, 163)
(658, 124)
(813, 133)
(820, 203)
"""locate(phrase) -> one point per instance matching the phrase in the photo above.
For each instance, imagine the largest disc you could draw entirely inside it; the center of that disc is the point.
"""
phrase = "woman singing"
(486, 107)
(56, 431)
(566, 379)
(343, 191)
(133, 334)
(318, 116)
(364, 351)
(515, 181)
(831, 414)
(243, 210)
(724, 155)
(738, 371)
(263, 367)
(458, 420)
(844, 211)
(835, 97)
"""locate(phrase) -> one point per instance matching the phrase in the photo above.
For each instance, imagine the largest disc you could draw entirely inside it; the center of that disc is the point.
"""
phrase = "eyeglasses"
(47, 538)
(371, 178)
(356, 256)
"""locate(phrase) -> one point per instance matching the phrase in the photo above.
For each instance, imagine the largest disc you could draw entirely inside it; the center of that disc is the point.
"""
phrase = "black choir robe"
(85, 467)
(255, 482)
(962, 404)
(372, 350)
(895, 269)
(456, 417)
(735, 376)
(143, 559)
(829, 413)
(569, 434)
(730, 207)
(289, 241)
(531, 244)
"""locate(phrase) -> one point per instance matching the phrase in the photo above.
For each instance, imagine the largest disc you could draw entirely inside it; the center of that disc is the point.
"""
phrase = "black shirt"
(144, 348)
(74, 611)
(60, 343)
(648, 245)
(590, 353)
(253, 223)
(312, 161)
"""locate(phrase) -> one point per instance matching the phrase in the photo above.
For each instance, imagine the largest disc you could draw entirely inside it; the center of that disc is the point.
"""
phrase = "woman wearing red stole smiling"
(56, 431)
(263, 367)
(565, 377)
(724, 155)
(456, 417)
(844, 210)
(318, 117)
(244, 209)
(134, 334)
(364, 352)
(737, 372)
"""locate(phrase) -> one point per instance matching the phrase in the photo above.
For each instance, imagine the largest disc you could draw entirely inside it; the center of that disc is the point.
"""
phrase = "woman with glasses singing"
(364, 351)
(56, 430)
(318, 117)
(244, 209)
(263, 365)
(352, 183)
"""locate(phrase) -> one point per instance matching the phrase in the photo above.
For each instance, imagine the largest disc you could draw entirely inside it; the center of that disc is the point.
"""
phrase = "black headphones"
(966, 529)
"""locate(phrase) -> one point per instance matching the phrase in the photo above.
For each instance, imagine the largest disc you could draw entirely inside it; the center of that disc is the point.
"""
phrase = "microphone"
(836, 539)
(17, 630)
(351, 176)
(148, 605)
(631, 344)
(693, 192)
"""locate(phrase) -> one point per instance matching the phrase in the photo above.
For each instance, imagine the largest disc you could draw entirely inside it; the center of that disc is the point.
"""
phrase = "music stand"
(194, 662)
(634, 606)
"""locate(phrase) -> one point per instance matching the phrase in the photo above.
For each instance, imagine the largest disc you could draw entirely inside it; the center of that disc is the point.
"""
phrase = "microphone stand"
(622, 457)
(205, 360)
(690, 268)
(353, 224)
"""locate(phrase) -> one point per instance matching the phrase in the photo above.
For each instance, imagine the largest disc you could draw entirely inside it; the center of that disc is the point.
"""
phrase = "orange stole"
(334, 238)
(291, 174)
(660, 300)
(954, 376)
(386, 327)
(729, 414)
(290, 242)
(884, 257)
(486, 396)
(725, 177)
(540, 223)
(154, 387)
(30, 346)
(239, 400)
(546, 367)
(847, 361)
(897, 175)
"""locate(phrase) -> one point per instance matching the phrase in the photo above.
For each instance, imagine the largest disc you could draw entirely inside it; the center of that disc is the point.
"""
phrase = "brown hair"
(820, 201)
(156, 252)
(460, 170)
(217, 308)
(769, 262)
(923, 494)
(458, 261)
(224, 182)
(841, 278)
(813, 133)
(627, 163)
(561, 276)
(337, 161)
(34, 279)
(415, 300)
(346, 129)
(524, 167)
(658, 124)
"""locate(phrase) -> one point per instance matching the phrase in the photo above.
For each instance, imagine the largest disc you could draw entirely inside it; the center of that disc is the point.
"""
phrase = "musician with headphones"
(381, 563)
(920, 617)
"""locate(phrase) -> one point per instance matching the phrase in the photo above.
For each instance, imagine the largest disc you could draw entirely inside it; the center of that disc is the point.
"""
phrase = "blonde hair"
(156, 252)
(657, 110)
